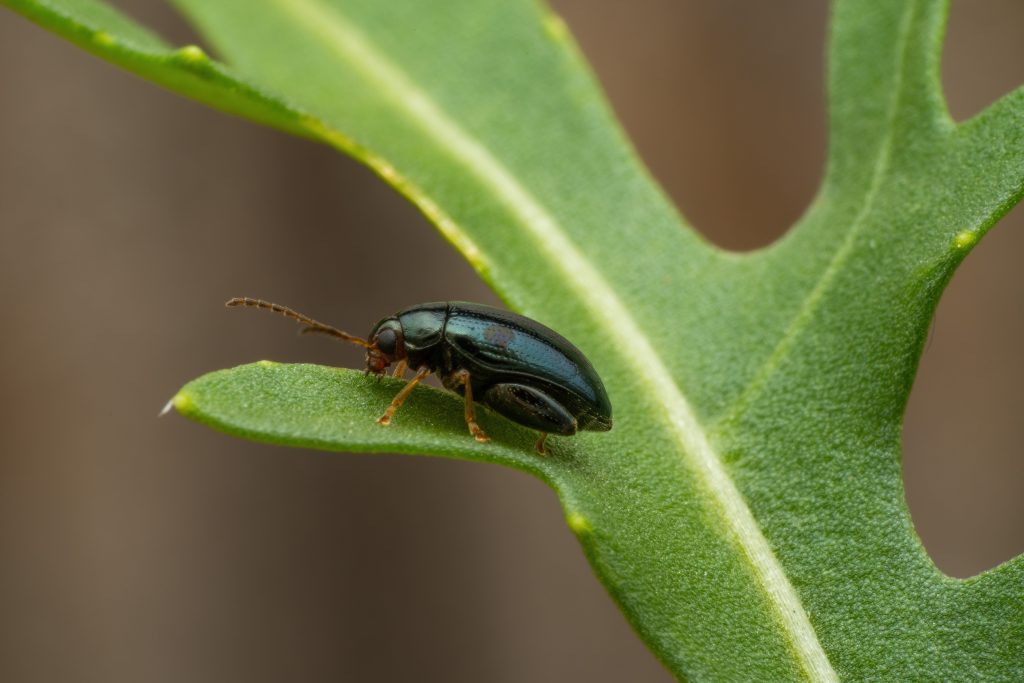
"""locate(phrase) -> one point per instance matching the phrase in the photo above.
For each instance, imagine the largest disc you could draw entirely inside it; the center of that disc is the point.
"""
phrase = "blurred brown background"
(138, 549)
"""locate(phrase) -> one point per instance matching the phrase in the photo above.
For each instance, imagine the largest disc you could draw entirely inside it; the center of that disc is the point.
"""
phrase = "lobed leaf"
(747, 510)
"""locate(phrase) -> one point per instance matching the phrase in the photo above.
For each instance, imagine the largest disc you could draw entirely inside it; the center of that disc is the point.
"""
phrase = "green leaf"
(337, 409)
(747, 510)
(102, 30)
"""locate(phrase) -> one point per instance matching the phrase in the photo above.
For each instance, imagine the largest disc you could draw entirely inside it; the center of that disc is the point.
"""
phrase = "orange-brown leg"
(540, 443)
(399, 369)
(474, 428)
(399, 399)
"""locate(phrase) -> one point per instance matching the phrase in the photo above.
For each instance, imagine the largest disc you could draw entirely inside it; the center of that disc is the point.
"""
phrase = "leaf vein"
(590, 287)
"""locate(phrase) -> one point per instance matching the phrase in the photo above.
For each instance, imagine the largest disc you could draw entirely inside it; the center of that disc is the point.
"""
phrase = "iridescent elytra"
(512, 364)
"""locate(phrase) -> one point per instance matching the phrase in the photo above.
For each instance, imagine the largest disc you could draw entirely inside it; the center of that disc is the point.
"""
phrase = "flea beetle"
(519, 368)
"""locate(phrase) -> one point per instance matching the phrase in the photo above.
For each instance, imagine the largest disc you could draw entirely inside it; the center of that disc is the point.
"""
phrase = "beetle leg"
(474, 428)
(399, 369)
(531, 408)
(400, 397)
(540, 443)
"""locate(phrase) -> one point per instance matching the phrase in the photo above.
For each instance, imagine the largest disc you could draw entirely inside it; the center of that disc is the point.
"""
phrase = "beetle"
(519, 368)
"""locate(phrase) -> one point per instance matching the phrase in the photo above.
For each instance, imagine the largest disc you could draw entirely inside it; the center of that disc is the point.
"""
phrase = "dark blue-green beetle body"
(516, 366)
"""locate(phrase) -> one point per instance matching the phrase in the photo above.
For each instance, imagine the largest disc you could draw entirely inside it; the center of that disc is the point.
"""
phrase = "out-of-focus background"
(141, 549)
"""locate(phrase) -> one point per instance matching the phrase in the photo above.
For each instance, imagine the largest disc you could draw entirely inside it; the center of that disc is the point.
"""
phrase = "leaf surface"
(747, 509)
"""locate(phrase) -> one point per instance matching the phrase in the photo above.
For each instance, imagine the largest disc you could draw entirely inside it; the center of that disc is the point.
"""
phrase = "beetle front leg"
(474, 428)
(399, 398)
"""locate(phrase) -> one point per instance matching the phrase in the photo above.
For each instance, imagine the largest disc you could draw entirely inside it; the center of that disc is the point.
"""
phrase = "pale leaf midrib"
(352, 46)
(806, 311)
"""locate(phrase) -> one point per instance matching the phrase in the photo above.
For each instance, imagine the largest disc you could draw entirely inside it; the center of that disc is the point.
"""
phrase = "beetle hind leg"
(462, 377)
(531, 407)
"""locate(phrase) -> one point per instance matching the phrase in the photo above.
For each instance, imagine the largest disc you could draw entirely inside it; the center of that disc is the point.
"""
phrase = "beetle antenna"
(310, 324)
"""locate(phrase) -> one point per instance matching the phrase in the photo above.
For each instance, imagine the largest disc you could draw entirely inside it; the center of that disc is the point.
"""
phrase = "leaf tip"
(965, 239)
(555, 27)
(181, 402)
(104, 39)
(578, 523)
(192, 55)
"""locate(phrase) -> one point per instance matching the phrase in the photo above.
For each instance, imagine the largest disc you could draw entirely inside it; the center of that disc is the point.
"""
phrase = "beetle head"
(387, 345)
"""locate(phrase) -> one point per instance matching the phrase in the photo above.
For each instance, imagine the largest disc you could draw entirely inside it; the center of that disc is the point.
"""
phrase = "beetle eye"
(386, 340)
